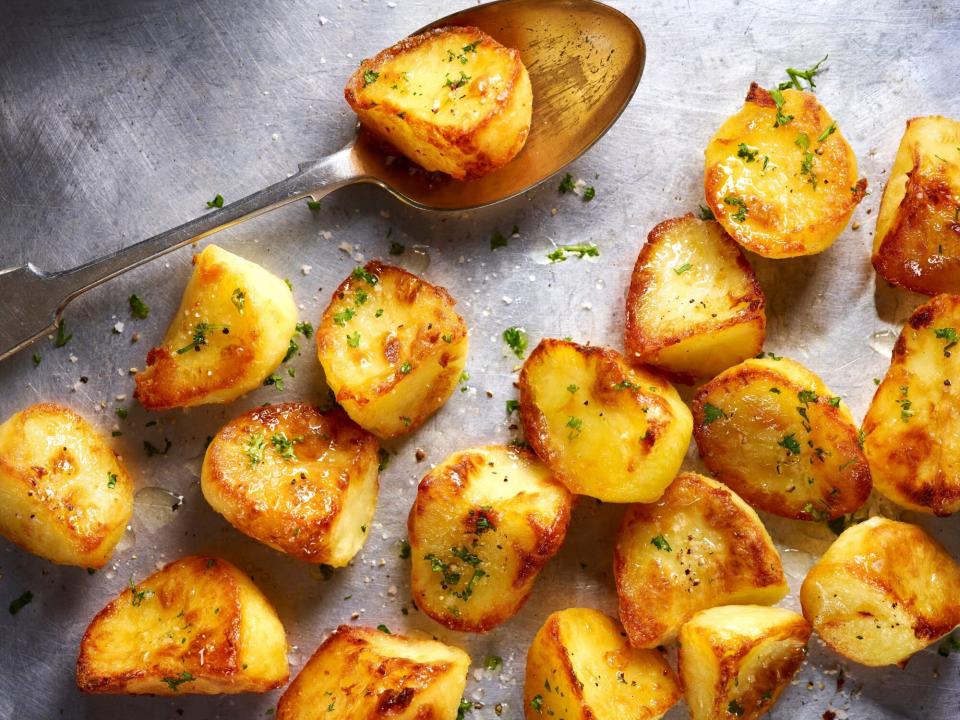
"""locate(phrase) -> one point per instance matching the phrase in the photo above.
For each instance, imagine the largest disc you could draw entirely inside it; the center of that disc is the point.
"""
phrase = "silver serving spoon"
(584, 58)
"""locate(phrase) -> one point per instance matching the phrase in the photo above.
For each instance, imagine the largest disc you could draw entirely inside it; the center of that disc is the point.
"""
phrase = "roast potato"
(605, 429)
(64, 494)
(881, 592)
(392, 348)
(772, 431)
(198, 626)
(917, 242)
(735, 660)
(697, 547)
(295, 478)
(694, 306)
(361, 673)
(452, 100)
(232, 330)
(779, 175)
(485, 521)
(580, 667)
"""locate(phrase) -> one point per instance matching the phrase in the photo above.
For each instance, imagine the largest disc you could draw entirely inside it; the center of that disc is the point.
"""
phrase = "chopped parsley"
(353, 339)
(369, 77)
(384, 629)
(62, 337)
(305, 329)
(217, 201)
(255, 447)
(404, 553)
(790, 444)
(138, 308)
(21, 602)
(741, 214)
(200, 331)
(37, 359)
(582, 250)
(661, 543)
(276, 381)
(576, 427)
(405, 368)
(746, 152)
(313, 205)
(537, 703)
(362, 273)
(711, 413)
(344, 316)
(121, 412)
(706, 213)
(292, 350)
(589, 193)
(512, 406)
(383, 456)
(111, 480)
(497, 240)
(795, 76)
(781, 119)
(686, 267)
(175, 682)
(463, 708)
(807, 396)
(284, 445)
(239, 299)
(904, 402)
(137, 596)
(566, 185)
(458, 83)
(516, 339)
(571, 388)
(493, 662)
(950, 335)
(830, 130)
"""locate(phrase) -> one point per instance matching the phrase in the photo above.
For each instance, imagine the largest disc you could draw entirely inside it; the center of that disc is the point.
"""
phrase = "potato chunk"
(198, 626)
(392, 347)
(605, 429)
(697, 547)
(485, 521)
(232, 330)
(782, 180)
(737, 659)
(64, 494)
(363, 674)
(295, 478)
(772, 431)
(580, 667)
(917, 242)
(883, 591)
(452, 99)
(694, 306)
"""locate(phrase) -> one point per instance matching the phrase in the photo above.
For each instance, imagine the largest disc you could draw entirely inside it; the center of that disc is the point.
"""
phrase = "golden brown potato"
(697, 547)
(392, 347)
(780, 177)
(883, 591)
(485, 521)
(605, 429)
(737, 659)
(198, 626)
(365, 674)
(64, 494)
(580, 667)
(232, 330)
(452, 99)
(917, 242)
(694, 306)
(772, 431)
(295, 478)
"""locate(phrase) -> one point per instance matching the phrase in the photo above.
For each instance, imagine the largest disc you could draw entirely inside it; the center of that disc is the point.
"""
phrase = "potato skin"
(465, 130)
(64, 494)
(226, 365)
(883, 591)
(198, 626)
(580, 667)
(360, 673)
(719, 554)
(499, 505)
(694, 306)
(411, 348)
(314, 505)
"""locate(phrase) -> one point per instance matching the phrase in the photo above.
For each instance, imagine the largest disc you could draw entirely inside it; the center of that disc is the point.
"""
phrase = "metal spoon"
(584, 58)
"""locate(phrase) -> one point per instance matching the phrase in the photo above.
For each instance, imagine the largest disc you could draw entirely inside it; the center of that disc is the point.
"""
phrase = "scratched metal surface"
(119, 119)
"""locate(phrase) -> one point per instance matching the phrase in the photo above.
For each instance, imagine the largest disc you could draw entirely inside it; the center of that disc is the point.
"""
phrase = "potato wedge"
(772, 431)
(452, 100)
(484, 523)
(883, 591)
(605, 429)
(364, 674)
(64, 494)
(232, 330)
(295, 478)
(392, 347)
(782, 180)
(917, 242)
(735, 660)
(694, 306)
(198, 626)
(697, 547)
(580, 667)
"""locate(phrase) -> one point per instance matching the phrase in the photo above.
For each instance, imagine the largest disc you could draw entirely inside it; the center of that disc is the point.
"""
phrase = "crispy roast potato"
(452, 99)
(697, 547)
(392, 347)
(881, 592)
(485, 521)
(64, 494)
(295, 478)
(694, 306)
(772, 431)
(735, 660)
(605, 429)
(917, 242)
(580, 667)
(782, 180)
(198, 626)
(232, 330)
(365, 674)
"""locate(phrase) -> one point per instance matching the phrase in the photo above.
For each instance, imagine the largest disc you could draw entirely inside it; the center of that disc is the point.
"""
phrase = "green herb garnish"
(661, 543)
(138, 308)
(516, 339)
